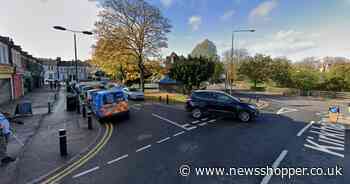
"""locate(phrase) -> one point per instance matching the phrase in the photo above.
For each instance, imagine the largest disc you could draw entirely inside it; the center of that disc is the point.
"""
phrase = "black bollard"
(167, 99)
(78, 108)
(160, 98)
(89, 121)
(63, 142)
(49, 107)
(84, 111)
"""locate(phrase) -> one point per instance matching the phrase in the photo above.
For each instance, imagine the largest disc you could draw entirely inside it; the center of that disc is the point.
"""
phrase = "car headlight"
(252, 106)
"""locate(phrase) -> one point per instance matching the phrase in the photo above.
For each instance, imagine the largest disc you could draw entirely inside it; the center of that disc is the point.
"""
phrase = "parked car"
(205, 102)
(109, 103)
(134, 94)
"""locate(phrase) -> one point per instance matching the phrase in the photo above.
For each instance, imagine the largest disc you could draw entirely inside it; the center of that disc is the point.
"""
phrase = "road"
(157, 140)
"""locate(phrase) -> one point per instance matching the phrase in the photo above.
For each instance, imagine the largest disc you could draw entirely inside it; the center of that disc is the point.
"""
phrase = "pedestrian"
(51, 85)
(4, 138)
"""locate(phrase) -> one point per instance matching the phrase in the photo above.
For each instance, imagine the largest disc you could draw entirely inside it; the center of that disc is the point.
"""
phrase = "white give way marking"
(331, 139)
(284, 110)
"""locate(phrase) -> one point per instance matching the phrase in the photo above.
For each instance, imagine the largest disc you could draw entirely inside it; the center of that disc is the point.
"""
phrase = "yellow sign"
(4, 69)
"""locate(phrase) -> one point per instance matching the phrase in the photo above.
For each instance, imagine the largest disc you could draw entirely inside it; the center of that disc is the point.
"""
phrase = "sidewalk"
(39, 134)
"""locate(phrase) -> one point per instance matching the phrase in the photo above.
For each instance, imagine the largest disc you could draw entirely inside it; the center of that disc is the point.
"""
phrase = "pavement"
(36, 144)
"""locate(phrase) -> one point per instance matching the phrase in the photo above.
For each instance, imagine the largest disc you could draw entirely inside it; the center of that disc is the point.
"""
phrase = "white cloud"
(227, 15)
(263, 10)
(166, 3)
(285, 43)
(195, 22)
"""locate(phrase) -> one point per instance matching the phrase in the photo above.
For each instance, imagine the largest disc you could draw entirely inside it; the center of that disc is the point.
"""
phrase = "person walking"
(4, 138)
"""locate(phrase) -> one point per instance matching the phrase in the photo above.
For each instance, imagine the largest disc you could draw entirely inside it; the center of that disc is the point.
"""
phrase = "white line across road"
(169, 121)
(177, 134)
(143, 148)
(275, 164)
(118, 159)
(202, 124)
(305, 128)
(86, 172)
(163, 140)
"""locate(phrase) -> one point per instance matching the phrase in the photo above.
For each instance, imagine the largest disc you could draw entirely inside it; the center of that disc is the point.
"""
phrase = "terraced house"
(20, 72)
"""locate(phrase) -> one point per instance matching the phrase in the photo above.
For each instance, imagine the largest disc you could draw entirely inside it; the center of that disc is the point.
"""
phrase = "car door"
(224, 104)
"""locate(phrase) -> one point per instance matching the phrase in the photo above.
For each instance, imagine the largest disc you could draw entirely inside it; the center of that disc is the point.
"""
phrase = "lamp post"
(232, 51)
(75, 32)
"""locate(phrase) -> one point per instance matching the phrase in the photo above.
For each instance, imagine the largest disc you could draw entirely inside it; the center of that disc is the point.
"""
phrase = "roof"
(109, 91)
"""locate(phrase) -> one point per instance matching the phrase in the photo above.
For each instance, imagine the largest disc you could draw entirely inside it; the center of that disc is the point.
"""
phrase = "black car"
(206, 102)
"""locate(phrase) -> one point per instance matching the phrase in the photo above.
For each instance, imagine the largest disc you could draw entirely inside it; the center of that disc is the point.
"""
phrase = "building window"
(3, 55)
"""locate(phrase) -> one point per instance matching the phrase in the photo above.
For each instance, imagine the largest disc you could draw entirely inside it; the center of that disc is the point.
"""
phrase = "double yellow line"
(57, 177)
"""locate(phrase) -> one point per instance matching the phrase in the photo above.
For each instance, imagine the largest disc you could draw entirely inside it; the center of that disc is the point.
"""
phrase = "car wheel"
(197, 113)
(244, 116)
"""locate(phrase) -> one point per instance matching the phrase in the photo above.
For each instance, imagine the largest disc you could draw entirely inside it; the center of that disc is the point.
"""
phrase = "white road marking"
(186, 125)
(212, 121)
(86, 172)
(177, 134)
(309, 137)
(192, 128)
(117, 159)
(195, 122)
(305, 128)
(275, 164)
(323, 148)
(169, 121)
(143, 148)
(284, 110)
(204, 119)
(163, 140)
(203, 124)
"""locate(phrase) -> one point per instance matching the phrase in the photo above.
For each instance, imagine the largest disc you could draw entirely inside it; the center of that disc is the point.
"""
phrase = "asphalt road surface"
(157, 140)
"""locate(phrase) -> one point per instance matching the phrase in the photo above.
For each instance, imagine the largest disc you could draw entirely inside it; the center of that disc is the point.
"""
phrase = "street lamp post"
(60, 28)
(232, 51)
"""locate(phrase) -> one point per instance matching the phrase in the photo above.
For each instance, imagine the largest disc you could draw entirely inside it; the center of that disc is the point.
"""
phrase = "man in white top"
(5, 133)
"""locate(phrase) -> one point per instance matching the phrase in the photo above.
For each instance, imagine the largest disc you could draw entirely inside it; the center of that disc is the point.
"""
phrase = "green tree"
(338, 78)
(219, 70)
(305, 78)
(281, 72)
(192, 71)
(136, 27)
(257, 68)
(206, 49)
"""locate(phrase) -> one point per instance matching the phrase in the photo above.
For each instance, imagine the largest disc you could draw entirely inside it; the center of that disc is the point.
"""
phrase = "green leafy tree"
(206, 49)
(257, 68)
(281, 72)
(305, 78)
(219, 70)
(192, 71)
(338, 78)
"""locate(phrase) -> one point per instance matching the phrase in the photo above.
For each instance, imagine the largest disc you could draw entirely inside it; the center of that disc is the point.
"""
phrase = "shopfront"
(6, 90)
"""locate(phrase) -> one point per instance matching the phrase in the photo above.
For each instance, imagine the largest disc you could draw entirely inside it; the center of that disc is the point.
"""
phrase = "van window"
(108, 99)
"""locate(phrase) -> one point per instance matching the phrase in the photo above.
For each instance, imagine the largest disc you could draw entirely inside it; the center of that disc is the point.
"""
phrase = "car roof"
(209, 91)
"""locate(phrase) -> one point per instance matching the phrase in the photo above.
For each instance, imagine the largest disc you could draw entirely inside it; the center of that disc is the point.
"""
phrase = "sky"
(292, 28)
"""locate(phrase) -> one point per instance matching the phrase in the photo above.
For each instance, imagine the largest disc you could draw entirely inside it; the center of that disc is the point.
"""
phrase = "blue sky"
(292, 28)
